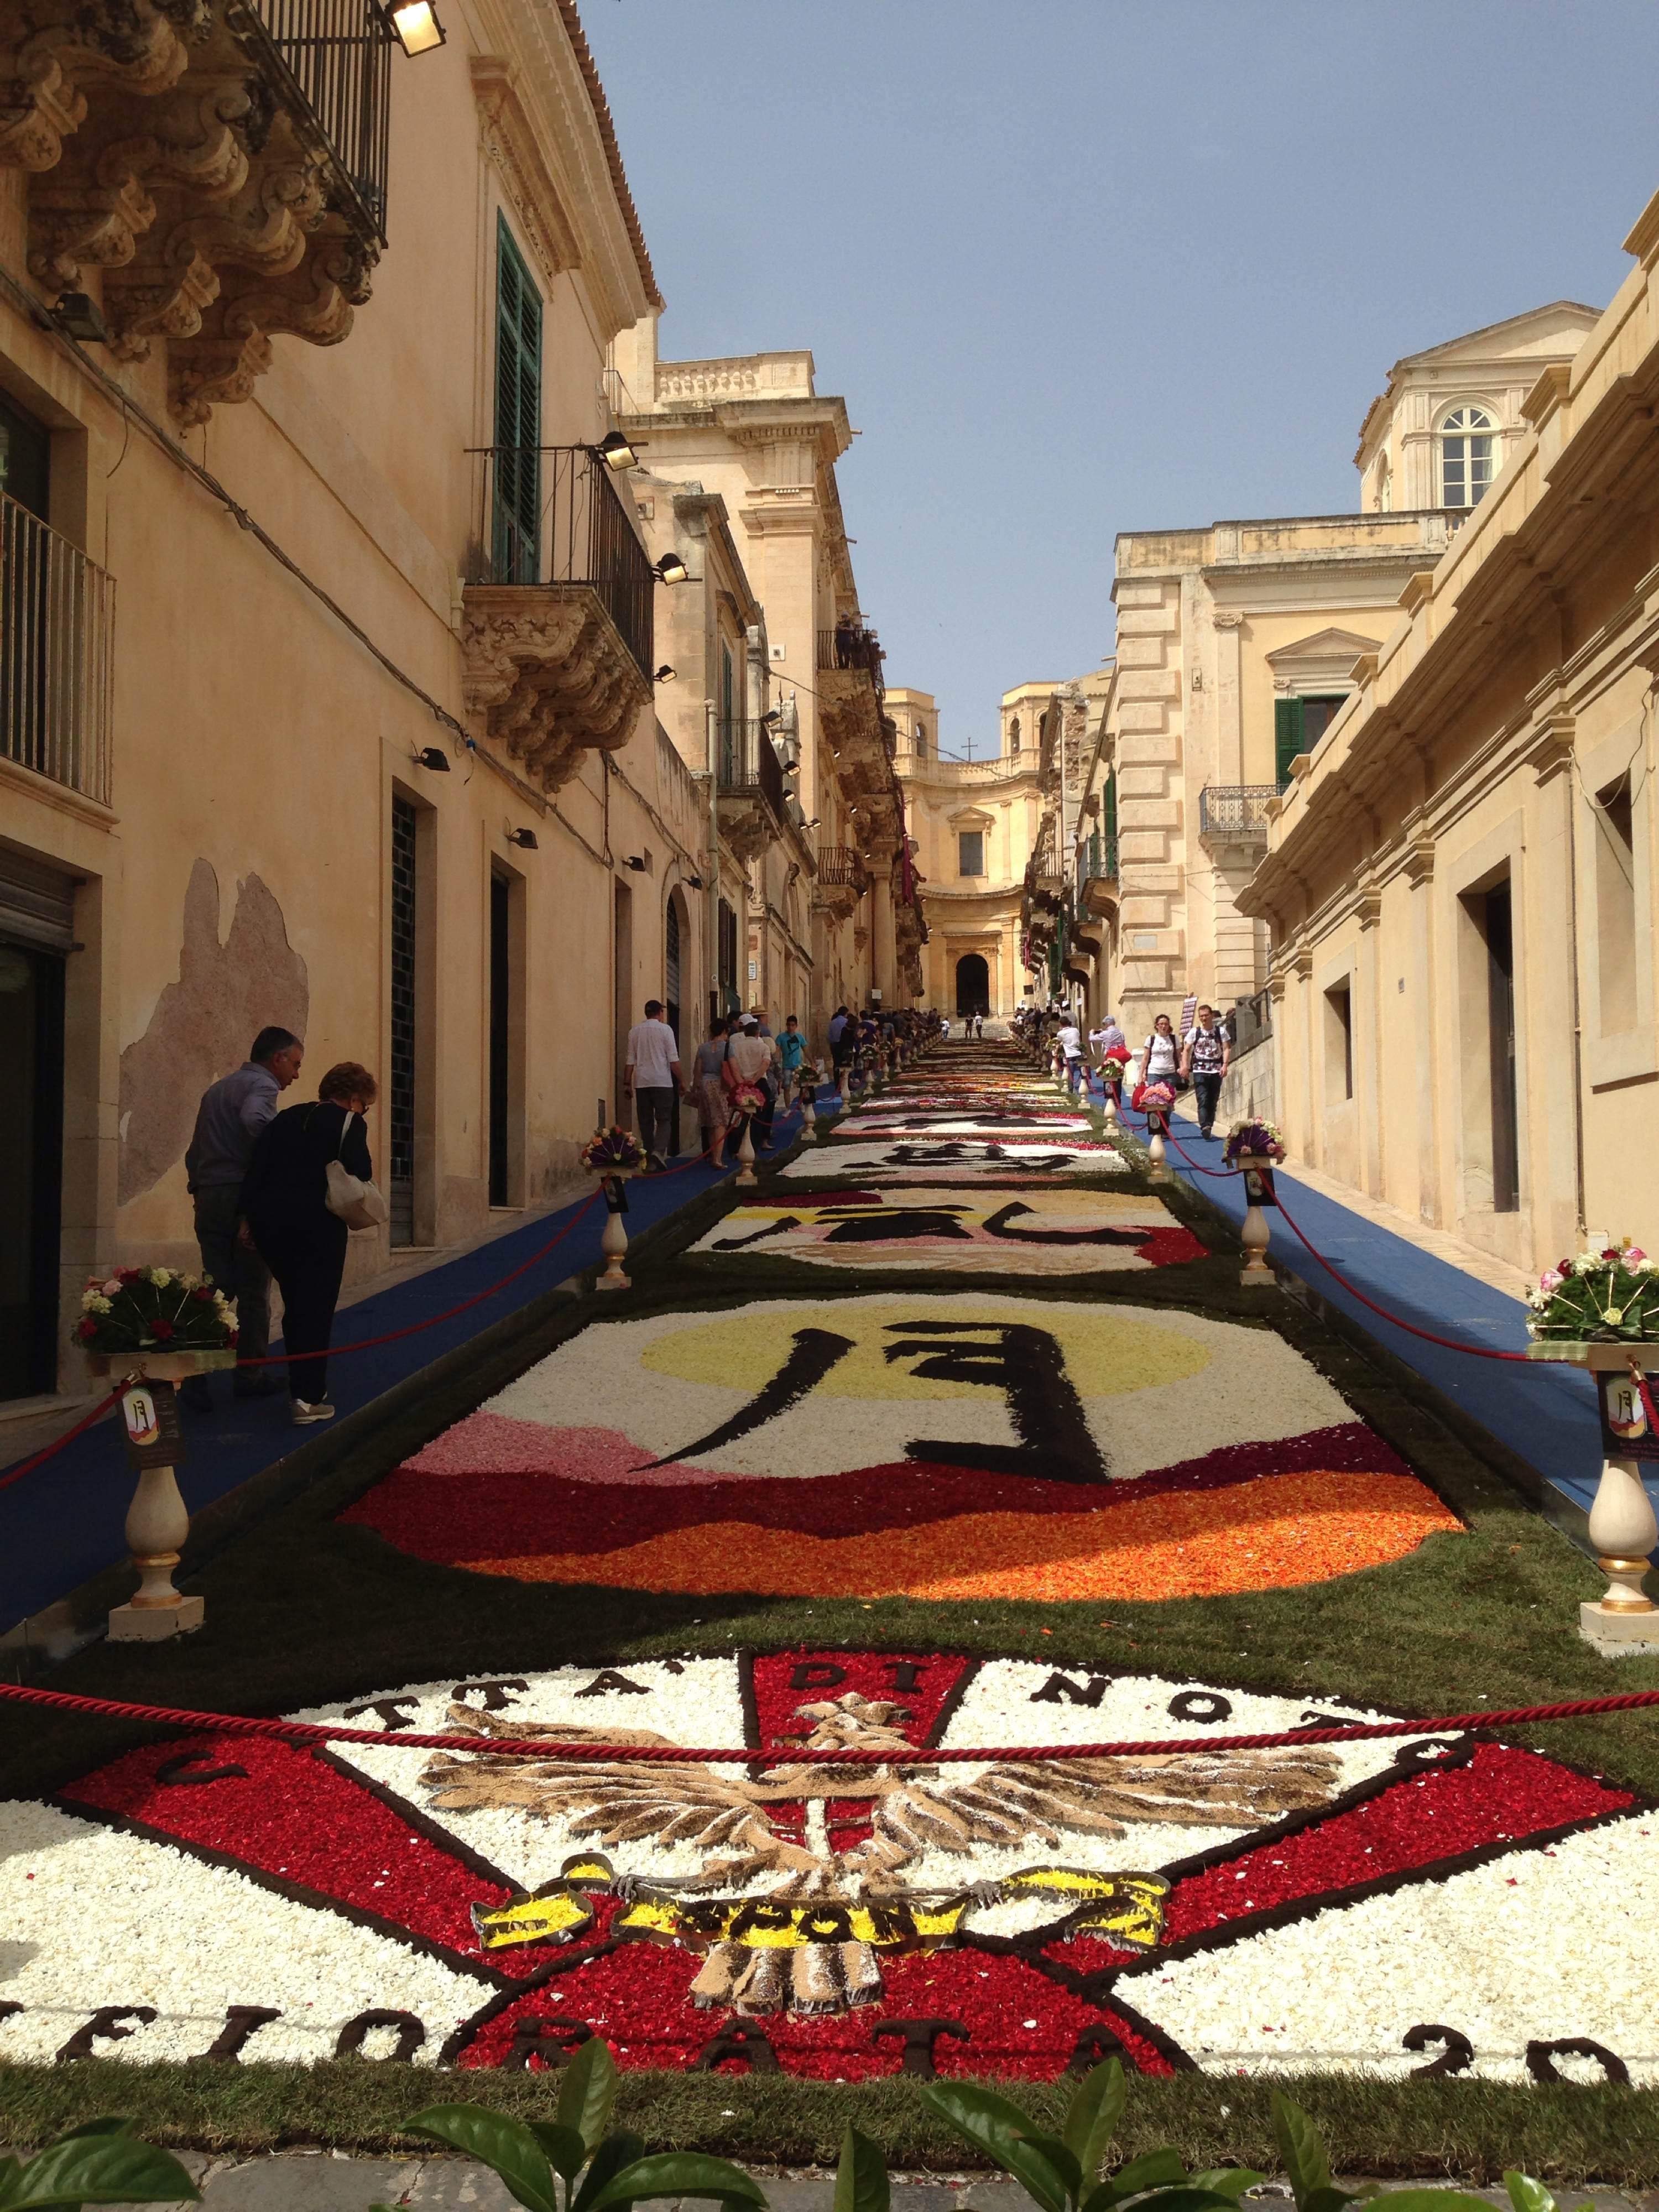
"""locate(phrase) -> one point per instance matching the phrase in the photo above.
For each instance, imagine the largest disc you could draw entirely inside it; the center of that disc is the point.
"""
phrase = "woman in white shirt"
(1162, 1054)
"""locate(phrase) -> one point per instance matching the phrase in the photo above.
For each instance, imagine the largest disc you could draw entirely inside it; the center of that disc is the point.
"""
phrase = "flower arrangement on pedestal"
(1610, 1296)
(615, 1150)
(155, 1309)
(1111, 1072)
(1155, 1100)
(747, 1099)
(1253, 1139)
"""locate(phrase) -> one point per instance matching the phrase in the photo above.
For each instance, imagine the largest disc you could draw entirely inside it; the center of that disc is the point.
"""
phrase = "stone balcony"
(557, 617)
(224, 171)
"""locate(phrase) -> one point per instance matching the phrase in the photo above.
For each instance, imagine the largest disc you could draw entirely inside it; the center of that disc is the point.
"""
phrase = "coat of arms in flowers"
(790, 1913)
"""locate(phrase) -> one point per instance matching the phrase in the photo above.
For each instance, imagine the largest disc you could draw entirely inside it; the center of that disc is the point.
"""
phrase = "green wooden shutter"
(1287, 738)
(1109, 811)
(518, 415)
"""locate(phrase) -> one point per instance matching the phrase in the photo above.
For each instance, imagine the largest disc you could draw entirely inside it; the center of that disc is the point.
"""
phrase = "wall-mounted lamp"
(776, 715)
(417, 25)
(636, 862)
(435, 757)
(524, 838)
(666, 674)
(695, 882)
(671, 569)
(76, 316)
(615, 449)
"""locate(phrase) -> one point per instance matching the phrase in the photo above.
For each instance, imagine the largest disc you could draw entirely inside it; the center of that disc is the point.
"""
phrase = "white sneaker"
(303, 1413)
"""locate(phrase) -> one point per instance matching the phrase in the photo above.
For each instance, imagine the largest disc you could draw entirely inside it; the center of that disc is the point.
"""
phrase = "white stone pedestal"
(157, 1525)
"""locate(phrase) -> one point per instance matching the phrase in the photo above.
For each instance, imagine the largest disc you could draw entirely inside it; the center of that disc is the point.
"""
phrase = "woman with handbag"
(308, 1185)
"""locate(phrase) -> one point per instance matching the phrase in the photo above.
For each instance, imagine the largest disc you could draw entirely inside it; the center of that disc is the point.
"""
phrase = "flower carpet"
(944, 1437)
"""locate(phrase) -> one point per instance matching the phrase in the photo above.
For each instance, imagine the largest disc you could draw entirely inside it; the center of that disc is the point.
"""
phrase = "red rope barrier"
(1446, 1343)
(672, 1754)
(16, 1474)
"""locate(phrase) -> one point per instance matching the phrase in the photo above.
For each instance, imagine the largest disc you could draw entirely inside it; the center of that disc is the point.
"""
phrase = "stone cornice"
(552, 70)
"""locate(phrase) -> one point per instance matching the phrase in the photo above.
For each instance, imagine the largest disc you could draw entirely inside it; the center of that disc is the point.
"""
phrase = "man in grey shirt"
(228, 1121)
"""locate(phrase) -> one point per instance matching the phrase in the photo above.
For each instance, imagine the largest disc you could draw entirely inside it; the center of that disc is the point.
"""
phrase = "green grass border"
(1471, 2130)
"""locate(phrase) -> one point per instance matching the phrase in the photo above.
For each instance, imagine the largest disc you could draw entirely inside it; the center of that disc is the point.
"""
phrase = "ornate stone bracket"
(547, 669)
(174, 153)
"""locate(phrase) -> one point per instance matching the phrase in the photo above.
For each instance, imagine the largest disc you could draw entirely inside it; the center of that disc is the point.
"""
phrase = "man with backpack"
(1203, 1061)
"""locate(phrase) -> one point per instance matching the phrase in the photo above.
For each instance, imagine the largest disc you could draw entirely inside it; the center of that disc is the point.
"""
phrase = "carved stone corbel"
(56, 49)
(547, 668)
(99, 200)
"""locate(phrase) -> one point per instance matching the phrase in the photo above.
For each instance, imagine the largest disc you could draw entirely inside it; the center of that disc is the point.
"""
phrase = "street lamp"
(615, 449)
(671, 569)
(417, 25)
(666, 674)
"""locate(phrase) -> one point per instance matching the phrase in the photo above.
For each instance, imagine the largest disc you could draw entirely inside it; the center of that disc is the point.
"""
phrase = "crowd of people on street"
(1194, 1056)
(276, 1190)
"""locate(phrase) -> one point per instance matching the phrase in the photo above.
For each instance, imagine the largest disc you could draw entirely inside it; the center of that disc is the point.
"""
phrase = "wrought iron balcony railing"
(1238, 811)
(336, 56)
(747, 761)
(851, 645)
(56, 622)
(840, 863)
(1096, 858)
(552, 515)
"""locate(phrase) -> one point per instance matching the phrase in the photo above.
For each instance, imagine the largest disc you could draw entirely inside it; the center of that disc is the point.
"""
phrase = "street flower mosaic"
(959, 1231)
(1402, 1905)
(1385, 1905)
(927, 1445)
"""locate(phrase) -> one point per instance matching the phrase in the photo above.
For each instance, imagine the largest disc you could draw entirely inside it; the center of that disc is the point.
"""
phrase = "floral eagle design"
(805, 1931)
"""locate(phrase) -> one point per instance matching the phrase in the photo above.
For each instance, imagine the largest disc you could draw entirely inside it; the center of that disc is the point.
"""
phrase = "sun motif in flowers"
(789, 1914)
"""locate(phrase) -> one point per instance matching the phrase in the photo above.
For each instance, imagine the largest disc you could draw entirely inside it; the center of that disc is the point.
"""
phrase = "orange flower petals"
(1275, 1533)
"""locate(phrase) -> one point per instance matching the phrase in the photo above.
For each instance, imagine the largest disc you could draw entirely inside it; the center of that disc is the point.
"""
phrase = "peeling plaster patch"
(203, 1024)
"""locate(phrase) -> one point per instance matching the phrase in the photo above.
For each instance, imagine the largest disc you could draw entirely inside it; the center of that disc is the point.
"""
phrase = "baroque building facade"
(1460, 883)
(304, 370)
(754, 430)
(972, 824)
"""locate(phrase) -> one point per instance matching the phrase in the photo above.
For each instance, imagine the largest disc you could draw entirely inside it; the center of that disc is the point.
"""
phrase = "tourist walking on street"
(749, 1060)
(709, 1088)
(1070, 1042)
(1205, 1062)
(1163, 1063)
(839, 1043)
(651, 1076)
(284, 1201)
(1108, 1040)
(792, 1051)
(228, 1121)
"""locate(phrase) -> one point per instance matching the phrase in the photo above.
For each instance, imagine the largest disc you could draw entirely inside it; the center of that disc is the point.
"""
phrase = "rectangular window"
(970, 852)
(1339, 1043)
(400, 1104)
(1298, 725)
(1108, 810)
(517, 517)
(1616, 906)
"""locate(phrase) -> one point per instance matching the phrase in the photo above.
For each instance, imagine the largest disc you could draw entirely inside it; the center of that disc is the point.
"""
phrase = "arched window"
(1384, 486)
(921, 740)
(1013, 735)
(1469, 456)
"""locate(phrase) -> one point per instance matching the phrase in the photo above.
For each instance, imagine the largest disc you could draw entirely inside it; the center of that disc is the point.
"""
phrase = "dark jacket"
(289, 1172)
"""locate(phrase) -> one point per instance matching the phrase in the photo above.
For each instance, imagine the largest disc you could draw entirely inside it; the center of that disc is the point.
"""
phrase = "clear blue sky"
(1081, 266)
